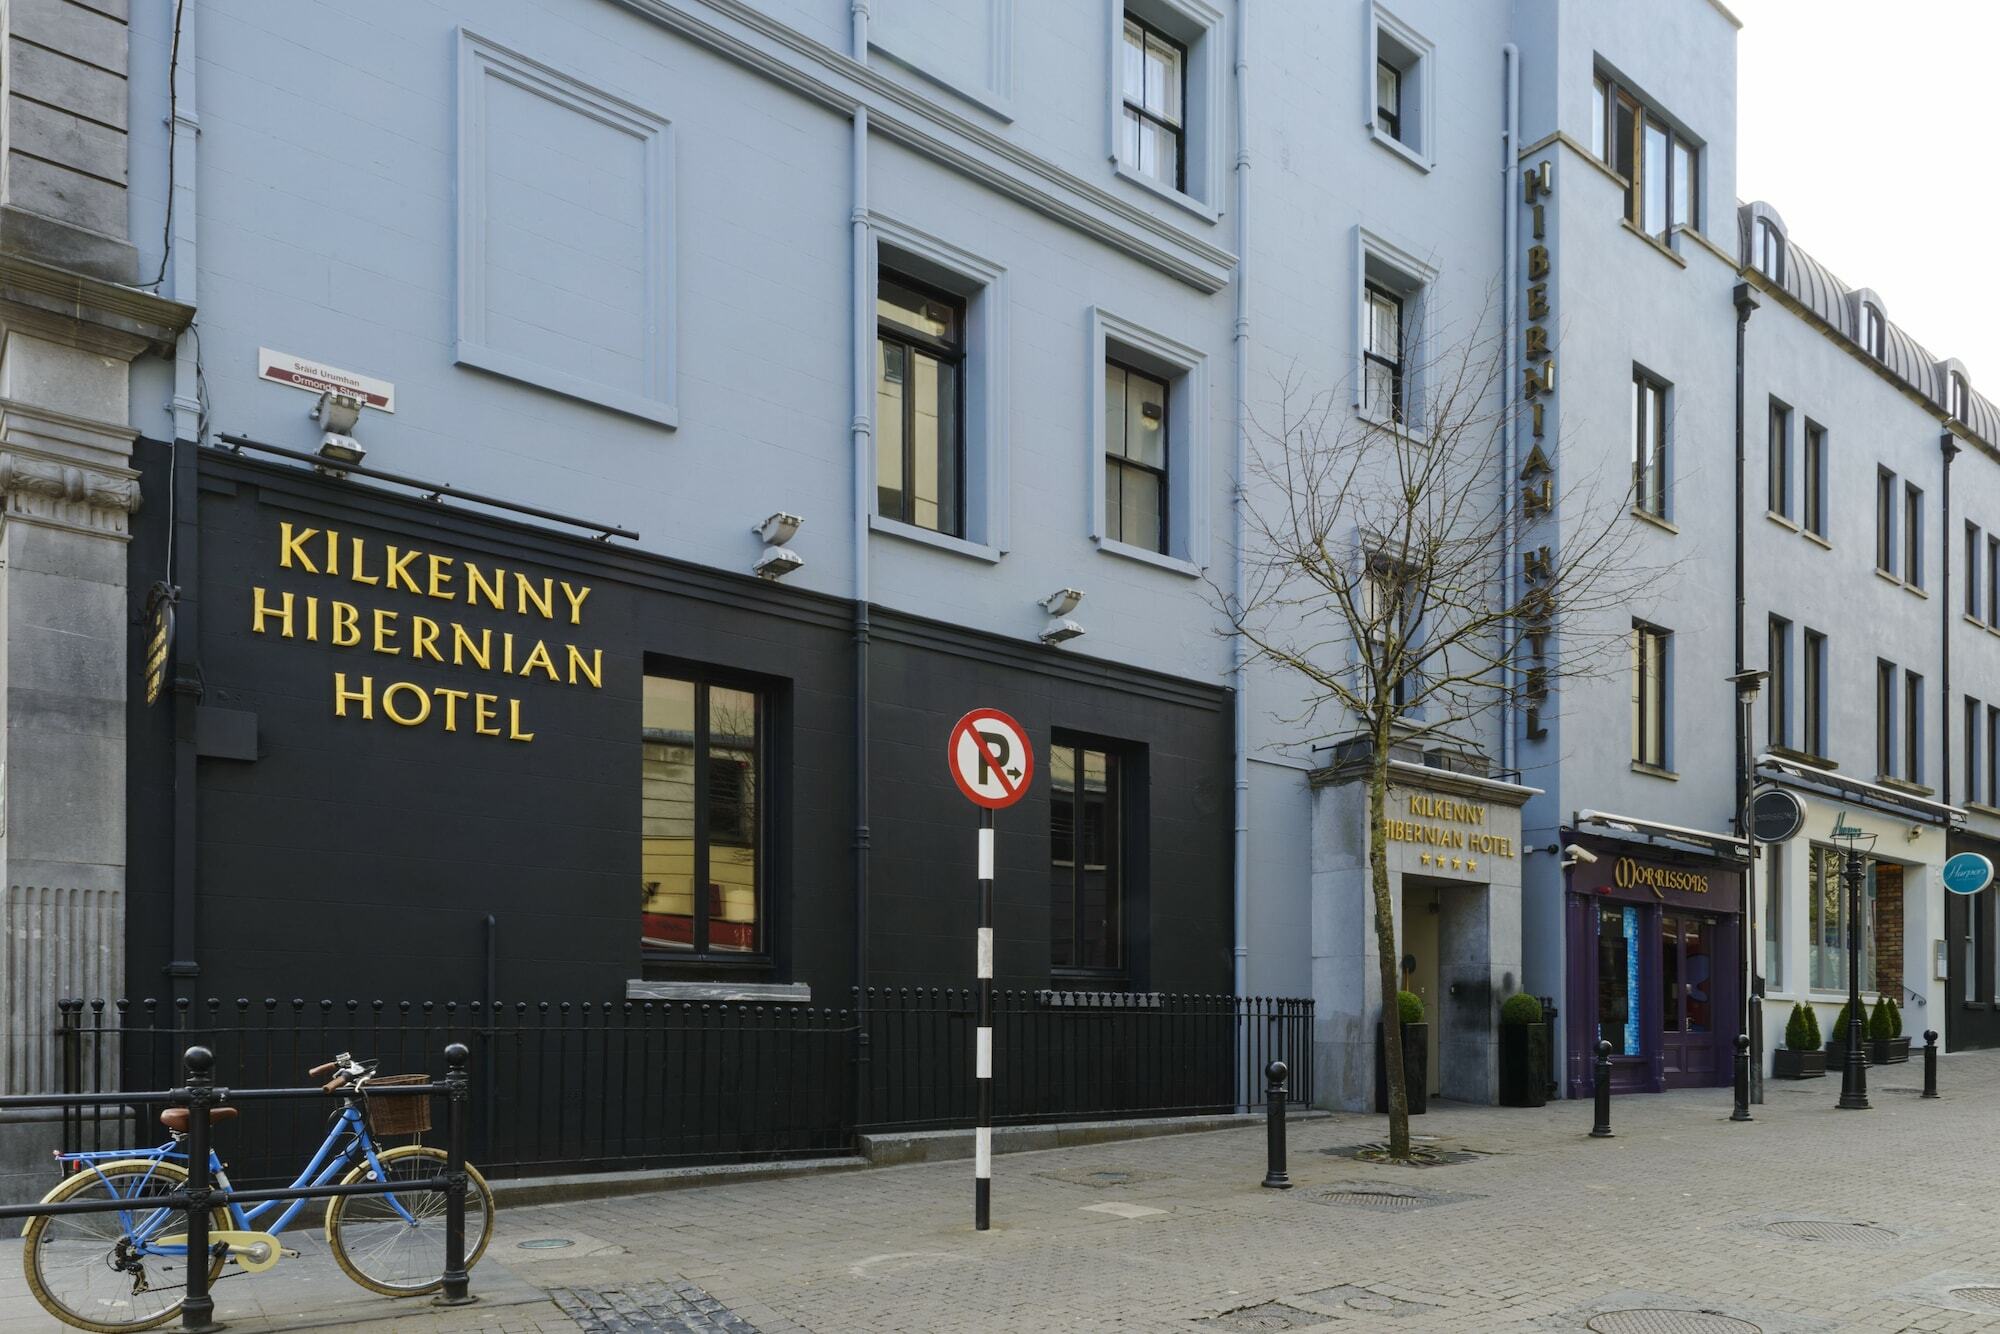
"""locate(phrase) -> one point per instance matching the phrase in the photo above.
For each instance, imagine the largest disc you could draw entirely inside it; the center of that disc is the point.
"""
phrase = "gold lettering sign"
(1628, 874)
(396, 633)
(1430, 830)
(1538, 385)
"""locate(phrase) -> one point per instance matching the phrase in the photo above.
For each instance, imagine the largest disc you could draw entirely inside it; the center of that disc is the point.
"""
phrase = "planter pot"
(1888, 1051)
(1524, 1059)
(1416, 1069)
(1789, 1064)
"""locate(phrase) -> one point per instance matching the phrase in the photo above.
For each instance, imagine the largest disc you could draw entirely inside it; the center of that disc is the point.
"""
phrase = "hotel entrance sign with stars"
(1449, 834)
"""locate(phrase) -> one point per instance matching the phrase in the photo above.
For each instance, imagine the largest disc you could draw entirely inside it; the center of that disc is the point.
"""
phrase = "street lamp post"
(1747, 684)
(1854, 1075)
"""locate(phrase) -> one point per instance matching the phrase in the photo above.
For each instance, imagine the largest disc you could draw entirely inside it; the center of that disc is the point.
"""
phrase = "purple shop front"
(1653, 967)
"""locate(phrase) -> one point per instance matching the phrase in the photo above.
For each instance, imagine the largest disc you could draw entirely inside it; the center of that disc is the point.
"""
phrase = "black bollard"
(198, 1307)
(1601, 1127)
(1275, 1176)
(1742, 1112)
(1930, 1063)
(456, 1282)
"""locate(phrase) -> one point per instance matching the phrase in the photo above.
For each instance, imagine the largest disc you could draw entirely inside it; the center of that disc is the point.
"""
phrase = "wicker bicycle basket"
(399, 1115)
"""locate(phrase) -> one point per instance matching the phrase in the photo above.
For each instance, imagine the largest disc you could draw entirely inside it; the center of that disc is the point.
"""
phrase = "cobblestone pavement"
(1806, 1221)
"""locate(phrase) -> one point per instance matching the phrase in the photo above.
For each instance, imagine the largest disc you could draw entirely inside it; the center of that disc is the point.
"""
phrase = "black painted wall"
(362, 858)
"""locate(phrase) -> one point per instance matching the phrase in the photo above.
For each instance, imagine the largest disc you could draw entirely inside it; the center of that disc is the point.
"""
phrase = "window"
(919, 402)
(1812, 480)
(1975, 723)
(1767, 249)
(1871, 330)
(1086, 857)
(1661, 165)
(1649, 695)
(1400, 114)
(1975, 605)
(1885, 521)
(1993, 579)
(1389, 99)
(1827, 902)
(1389, 595)
(1959, 396)
(1771, 910)
(1913, 727)
(1153, 85)
(1149, 447)
(702, 852)
(1913, 536)
(1885, 718)
(1649, 444)
(1382, 394)
(1135, 465)
(1993, 754)
(1779, 447)
(1812, 688)
(1779, 686)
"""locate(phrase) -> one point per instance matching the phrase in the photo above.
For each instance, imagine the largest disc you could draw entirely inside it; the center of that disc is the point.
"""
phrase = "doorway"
(1421, 931)
(1689, 982)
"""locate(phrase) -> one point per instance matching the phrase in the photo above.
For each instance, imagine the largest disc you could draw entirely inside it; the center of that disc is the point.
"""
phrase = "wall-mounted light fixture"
(1059, 605)
(337, 413)
(778, 560)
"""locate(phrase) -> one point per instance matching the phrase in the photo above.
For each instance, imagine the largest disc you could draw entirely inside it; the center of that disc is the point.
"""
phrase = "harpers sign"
(355, 567)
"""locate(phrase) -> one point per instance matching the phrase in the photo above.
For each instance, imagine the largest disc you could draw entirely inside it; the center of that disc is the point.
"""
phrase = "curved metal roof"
(1816, 287)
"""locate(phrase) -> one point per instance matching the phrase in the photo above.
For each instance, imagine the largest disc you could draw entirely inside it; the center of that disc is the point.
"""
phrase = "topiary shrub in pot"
(1886, 1043)
(1416, 1056)
(1802, 1057)
(1524, 1052)
(1836, 1039)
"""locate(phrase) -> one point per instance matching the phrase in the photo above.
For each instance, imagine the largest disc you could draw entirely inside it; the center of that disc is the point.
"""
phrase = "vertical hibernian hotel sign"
(1537, 479)
(357, 610)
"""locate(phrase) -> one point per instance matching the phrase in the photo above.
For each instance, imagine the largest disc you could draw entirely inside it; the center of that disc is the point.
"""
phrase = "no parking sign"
(990, 759)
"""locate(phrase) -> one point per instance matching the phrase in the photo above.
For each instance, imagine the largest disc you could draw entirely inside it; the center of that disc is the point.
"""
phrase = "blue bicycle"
(127, 1269)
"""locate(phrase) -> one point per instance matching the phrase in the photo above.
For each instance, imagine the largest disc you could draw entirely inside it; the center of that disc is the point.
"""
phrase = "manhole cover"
(1376, 1199)
(545, 1244)
(1846, 1234)
(1978, 1296)
(1658, 1320)
(1420, 1155)
(1271, 1315)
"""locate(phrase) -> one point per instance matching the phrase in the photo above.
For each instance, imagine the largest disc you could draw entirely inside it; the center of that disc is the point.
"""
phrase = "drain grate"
(1376, 1199)
(1978, 1295)
(1660, 1320)
(1845, 1234)
(1269, 1315)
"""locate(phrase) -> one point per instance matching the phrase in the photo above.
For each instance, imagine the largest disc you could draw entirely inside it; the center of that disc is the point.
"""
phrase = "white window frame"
(480, 62)
(981, 283)
(1198, 27)
(1382, 262)
(1185, 369)
(1412, 54)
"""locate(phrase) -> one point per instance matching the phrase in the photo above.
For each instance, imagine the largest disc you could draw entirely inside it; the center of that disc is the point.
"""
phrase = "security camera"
(777, 563)
(778, 529)
(1062, 602)
(1916, 832)
(1059, 630)
(1576, 854)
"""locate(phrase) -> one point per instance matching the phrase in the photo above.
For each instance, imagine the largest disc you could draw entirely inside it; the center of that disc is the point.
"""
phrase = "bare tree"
(1374, 550)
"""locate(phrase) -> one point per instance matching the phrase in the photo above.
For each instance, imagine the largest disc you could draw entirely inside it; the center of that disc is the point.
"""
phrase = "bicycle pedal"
(287, 1253)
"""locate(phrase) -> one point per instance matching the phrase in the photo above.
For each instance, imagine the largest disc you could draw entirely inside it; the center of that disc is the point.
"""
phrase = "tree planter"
(1524, 1059)
(1789, 1064)
(1416, 1068)
(1888, 1051)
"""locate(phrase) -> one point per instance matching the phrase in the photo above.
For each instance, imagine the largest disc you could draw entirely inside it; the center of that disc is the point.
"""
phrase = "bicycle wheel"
(86, 1270)
(378, 1247)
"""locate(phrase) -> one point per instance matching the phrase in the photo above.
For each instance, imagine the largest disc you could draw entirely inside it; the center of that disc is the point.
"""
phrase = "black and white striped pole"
(982, 1150)
(992, 763)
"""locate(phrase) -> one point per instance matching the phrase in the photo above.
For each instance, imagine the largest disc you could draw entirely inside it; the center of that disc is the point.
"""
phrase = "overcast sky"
(1871, 126)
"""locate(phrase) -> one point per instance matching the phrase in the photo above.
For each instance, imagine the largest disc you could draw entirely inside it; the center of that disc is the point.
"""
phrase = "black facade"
(466, 822)
(1971, 989)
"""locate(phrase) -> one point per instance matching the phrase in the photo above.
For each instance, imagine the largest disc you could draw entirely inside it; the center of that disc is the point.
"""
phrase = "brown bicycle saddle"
(176, 1118)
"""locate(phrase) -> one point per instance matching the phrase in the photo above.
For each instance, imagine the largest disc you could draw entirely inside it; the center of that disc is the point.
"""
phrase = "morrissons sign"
(440, 638)
(1631, 874)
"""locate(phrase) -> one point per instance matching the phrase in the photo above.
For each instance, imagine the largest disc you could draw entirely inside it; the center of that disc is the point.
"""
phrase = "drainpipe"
(862, 436)
(1238, 655)
(1510, 446)
(183, 569)
(1947, 446)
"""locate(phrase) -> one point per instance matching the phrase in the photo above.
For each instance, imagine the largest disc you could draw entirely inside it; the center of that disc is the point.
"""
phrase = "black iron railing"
(602, 1086)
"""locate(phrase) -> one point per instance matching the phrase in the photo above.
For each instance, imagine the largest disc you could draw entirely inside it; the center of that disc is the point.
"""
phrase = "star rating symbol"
(1457, 863)
(1471, 865)
(1424, 858)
